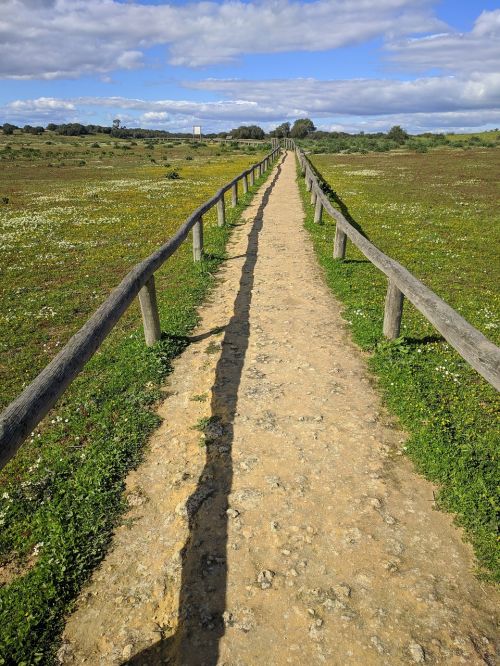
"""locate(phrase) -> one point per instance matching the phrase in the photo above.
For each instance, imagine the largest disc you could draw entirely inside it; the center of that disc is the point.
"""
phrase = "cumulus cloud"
(363, 104)
(365, 96)
(70, 38)
(475, 51)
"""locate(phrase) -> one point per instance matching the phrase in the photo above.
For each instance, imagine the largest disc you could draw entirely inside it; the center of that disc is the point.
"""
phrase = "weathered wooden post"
(149, 310)
(308, 182)
(252, 177)
(221, 211)
(339, 243)
(245, 184)
(198, 239)
(393, 311)
(234, 194)
(318, 211)
(313, 195)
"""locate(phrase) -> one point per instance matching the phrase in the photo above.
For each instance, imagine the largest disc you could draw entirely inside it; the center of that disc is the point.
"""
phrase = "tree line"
(302, 128)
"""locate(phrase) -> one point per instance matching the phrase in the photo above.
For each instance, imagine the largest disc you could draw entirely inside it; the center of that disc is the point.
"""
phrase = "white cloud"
(43, 110)
(364, 96)
(70, 38)
(370, 105)
(476, 51)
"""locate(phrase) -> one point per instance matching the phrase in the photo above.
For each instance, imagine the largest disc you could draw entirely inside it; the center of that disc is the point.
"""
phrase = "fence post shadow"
(202, 599)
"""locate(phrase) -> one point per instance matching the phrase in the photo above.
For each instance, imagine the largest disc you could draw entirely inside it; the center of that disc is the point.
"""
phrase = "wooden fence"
(29, 408)
(470, 343)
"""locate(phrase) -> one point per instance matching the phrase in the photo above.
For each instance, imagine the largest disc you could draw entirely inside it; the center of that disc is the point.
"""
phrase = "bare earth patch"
(290, 530)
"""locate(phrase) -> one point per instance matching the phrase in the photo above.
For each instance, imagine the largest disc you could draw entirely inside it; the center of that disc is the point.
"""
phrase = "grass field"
(436, 214)
(75, 215)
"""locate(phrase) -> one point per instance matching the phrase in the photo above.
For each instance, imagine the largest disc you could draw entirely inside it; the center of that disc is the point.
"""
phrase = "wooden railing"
(470, 343)
(29, 408)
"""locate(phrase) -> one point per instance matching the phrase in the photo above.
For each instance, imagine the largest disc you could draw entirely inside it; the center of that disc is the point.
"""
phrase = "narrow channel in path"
(292, 530)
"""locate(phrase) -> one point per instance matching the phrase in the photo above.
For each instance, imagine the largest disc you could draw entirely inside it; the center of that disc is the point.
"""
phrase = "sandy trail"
(295, 532)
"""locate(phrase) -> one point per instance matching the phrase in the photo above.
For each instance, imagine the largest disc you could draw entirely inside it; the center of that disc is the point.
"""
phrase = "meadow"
(437, 214)
(75, 215)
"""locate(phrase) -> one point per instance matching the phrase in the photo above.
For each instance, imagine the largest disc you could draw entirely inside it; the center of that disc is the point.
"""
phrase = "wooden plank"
(318, 211)
(198, 239)
(252, 177)
(221, 211)
(149, 311)
(245, 184)
(393, 311)
(471, 344)
(340, 242)
(234, 194)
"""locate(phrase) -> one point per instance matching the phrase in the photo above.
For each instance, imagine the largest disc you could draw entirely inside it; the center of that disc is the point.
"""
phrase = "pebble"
(377, 643)
(127, 651)
(265, 579)
(417, 653)
(232, 513)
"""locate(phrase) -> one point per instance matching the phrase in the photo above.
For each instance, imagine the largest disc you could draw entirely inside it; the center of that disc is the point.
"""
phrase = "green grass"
(69, 239)
(436, 215)
(379, 143)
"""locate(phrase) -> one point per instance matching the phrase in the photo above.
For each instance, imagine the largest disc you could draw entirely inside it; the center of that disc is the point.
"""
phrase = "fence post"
(318, 211)
(308, 183)
(393, 311)
(252, 177)
(198, 239)
(221, 211)
(339, 243)
(149, 311)
(245, 184)
(313, 195)
(234, 194)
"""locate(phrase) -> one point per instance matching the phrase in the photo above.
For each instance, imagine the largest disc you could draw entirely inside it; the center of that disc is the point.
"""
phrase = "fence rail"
(470, 343)
(28, 409)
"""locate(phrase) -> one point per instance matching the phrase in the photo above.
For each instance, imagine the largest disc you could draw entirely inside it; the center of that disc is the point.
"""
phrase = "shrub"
(172, 175)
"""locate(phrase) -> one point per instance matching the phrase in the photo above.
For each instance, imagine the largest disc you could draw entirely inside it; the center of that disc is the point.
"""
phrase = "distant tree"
(29, 129)
(248, 132)
(301, 128)
(52, 127)
(116, 123)
(282, 131)
(7, 128)
(71, 129)
(397, 134)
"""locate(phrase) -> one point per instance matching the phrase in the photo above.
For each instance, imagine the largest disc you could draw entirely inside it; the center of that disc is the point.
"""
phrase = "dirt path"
(294, 533)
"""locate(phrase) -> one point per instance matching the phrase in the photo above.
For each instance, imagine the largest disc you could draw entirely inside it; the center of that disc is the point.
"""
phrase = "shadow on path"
(202, 599)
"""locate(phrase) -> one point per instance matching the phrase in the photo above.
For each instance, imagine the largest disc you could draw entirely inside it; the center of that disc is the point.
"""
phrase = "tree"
(29, 129)
(7, 128)
(116, 123)
(282, 131)
(248, 132)
(397, 134)
(301, 128)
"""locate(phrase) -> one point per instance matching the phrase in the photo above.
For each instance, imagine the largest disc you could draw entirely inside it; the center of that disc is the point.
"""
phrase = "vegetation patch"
(67, 239)
(437, 216)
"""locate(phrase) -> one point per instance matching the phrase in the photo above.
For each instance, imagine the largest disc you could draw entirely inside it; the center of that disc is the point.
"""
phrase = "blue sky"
(348, 64)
